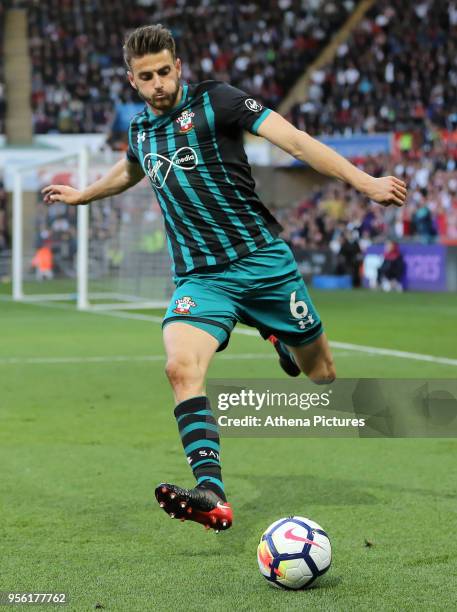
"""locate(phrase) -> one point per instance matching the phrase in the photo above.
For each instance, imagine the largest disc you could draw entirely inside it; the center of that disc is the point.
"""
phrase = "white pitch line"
(393, 353)
(118, 358)
(127, 358)
(371, 350)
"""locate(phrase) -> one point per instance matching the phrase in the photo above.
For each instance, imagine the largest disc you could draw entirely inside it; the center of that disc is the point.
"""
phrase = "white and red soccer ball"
(294, 552)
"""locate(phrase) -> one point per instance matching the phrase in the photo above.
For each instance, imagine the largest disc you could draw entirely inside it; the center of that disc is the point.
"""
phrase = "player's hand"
(62, 193)
(387, 190)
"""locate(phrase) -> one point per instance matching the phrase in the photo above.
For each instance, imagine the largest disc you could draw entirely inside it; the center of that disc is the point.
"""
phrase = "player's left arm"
(385, 190)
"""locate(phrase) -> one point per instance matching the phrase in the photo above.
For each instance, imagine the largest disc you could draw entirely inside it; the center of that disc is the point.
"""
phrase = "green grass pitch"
(84, 442)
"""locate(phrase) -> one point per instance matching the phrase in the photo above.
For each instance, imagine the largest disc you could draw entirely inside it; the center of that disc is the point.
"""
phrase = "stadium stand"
(396, 72)
(76, 50)
(2, 82)
(331, 212)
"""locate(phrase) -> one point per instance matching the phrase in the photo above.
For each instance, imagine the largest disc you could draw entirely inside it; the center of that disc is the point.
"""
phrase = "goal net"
(111, 254)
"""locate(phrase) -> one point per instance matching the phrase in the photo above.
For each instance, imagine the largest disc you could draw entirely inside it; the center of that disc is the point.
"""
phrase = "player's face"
(156, 78)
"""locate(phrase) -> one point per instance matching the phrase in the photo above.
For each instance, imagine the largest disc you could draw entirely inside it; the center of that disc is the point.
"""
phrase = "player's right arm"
(123, 174)
(234, 108)
(386, 189)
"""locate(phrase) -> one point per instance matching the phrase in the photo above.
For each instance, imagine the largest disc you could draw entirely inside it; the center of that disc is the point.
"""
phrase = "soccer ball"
(293, 552)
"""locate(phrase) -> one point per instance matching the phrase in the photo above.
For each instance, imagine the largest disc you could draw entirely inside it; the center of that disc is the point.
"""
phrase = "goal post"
(109, 255)
(82, 269)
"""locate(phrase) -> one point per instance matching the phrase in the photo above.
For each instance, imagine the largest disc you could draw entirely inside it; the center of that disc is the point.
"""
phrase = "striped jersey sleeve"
(236, 109)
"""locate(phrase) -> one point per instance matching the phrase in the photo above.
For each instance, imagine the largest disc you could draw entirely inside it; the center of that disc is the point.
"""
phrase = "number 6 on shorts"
(299, 309)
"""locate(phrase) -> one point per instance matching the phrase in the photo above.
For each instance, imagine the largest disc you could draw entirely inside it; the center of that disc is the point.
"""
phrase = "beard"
(163, 103)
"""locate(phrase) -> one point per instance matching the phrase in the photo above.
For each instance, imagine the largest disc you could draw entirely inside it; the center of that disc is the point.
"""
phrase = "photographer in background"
(392, 269)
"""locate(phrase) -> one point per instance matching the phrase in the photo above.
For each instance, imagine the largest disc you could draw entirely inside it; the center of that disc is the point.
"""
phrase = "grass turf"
(84, 443)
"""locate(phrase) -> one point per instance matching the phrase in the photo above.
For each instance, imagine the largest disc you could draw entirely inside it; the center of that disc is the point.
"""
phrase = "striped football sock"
(200, 438)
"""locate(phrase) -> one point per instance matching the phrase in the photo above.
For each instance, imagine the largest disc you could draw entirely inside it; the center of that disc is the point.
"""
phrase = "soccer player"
(229, 264)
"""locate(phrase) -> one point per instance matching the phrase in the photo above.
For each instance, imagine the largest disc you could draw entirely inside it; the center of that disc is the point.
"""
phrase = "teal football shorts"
(263, 289)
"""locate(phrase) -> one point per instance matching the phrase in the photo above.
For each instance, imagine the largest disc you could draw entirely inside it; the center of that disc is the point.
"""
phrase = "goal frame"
(111, 300)
(18, 174)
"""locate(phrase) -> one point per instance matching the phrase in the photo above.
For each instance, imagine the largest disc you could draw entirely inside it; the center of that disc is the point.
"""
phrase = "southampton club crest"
(185, 121)
(183, 305)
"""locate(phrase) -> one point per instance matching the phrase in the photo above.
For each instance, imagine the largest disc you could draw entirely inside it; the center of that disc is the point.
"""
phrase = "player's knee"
(182, 370)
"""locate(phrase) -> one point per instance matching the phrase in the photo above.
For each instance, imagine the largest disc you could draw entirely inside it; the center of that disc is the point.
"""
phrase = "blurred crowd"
(336, 214)
(397, 72)
(76, 50)
(2, 77)
(120, 228)
(55, 241)
(377, 81)
(335, 218)
(398, 68)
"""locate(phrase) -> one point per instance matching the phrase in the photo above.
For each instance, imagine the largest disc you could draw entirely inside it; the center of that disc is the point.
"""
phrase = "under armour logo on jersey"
(158, 166)
(141, 137)
(253, 105)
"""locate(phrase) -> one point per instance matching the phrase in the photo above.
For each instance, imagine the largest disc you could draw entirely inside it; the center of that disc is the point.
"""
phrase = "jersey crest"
(183, 305)
(185, 121)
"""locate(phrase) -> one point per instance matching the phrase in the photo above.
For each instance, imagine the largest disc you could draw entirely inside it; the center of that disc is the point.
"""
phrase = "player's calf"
(315, 360)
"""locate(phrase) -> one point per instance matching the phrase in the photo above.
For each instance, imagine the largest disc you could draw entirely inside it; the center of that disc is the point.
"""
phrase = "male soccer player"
(229, 264)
